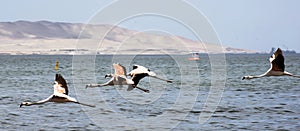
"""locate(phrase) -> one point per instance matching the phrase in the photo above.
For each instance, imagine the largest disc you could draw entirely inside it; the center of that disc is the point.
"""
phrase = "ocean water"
(270, 103)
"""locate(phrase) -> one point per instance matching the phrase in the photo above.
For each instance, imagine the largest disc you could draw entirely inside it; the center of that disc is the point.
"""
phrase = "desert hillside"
(44, 37)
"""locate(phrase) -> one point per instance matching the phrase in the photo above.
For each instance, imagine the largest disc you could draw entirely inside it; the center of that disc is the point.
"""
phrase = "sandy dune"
(44, 37)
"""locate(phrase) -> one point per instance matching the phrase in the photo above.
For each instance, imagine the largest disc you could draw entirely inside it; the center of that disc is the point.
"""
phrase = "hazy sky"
(249, 24)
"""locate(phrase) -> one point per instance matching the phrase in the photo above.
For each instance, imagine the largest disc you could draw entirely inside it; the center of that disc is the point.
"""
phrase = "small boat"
(194, 56)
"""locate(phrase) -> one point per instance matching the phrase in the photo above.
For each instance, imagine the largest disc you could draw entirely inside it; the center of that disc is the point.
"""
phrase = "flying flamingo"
(139, 72)
(118, 78)
(277, 67)
(60, 94)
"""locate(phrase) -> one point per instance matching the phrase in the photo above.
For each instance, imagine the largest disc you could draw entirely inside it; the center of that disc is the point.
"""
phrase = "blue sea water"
(270, 103)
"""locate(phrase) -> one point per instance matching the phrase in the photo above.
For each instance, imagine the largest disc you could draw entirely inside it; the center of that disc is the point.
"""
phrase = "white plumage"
(138, 73)
(277, 67)
(60, 94)
(120, 77)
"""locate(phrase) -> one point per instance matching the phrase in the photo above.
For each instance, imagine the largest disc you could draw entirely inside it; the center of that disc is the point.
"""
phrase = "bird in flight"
(60, 94)
(277, 67)
(138, 73)
(120, 77)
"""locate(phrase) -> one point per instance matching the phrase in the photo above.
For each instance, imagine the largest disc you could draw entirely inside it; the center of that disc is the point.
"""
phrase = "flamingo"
(60, 94)
(119, 78)
(138, 73)
(277, 67)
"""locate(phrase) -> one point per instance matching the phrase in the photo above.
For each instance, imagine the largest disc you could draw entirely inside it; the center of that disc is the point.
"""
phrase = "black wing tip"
(278, 50)
(58, 77)
(61, 80)
(134, 67)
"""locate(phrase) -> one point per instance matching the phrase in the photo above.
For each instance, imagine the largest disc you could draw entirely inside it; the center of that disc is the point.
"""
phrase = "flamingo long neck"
(40, 102)
(36, 103)
(252, 77)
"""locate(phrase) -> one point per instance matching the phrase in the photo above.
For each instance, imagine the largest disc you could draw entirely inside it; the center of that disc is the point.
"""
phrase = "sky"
(248, 24)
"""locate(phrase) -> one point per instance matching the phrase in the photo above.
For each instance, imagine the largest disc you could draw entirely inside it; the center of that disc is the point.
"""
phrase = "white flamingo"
(277, 67)
(60, 94)
(138, 73)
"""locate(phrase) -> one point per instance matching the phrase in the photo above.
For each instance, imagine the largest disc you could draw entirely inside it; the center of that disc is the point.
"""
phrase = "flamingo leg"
(145, 90)
(169, 81)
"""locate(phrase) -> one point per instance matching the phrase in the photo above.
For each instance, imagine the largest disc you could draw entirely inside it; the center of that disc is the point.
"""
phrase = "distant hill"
(53, 30)
(45, 37)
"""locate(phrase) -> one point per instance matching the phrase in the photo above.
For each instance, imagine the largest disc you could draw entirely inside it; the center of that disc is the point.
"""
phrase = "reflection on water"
(269, 103)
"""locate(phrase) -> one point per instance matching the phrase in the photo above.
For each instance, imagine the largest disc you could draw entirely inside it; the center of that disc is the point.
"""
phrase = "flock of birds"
(120, 77)
(60, 87)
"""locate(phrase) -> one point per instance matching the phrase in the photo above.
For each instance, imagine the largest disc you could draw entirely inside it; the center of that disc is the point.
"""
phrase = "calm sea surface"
(269, 103)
